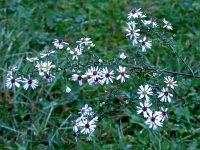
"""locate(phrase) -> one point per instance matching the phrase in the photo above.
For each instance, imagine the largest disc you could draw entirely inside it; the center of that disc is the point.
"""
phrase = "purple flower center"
(88, 76)
(132, 32)
(164, 113)
(87, 125)
(80, 77)
(122, 73)
(134, 11)
(48, 76)
(12, 80)
(143, 42)
(60, 41)
(30, 81)
(144, 108)
(96, 80)
(166, 93)
(153, 119)
(107, 75)
(95, 72)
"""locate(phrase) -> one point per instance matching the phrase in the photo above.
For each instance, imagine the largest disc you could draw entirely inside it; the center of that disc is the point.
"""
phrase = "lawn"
(42, 118)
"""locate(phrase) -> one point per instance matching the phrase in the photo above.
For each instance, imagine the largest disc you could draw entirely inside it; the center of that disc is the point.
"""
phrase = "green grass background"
(33, 120)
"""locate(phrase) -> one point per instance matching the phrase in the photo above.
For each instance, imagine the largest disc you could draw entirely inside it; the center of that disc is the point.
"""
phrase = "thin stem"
(161, 70)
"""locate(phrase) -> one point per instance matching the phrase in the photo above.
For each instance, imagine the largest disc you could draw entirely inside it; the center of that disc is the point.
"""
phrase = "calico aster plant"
(143, 33)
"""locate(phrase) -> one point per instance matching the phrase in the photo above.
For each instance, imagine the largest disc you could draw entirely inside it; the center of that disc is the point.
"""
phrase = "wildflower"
(58, 43)
(133, 33)
(132, 23)
(11, 69)
(39, 66)
(162, 113)
(144, 109)
(47, 66)
(150, 22)
(11, 81)
(31, 59)
(170, 82)
(122, 75)
(76, 124)
(145, 44)
(33, 83)
(167, 25)
(75, 136)
(46, 53)
(144, 91)
(75, 53)
(88, 75)
(85, 110)
(95, 72)
(97, 81)
(106, 76)
(91, 45)
(84, 41)
(135, 13)
(153, 121)
(87, 126)
(48, 77)
(165, 95)
(68, 90)
(79, 78)
(122, 56)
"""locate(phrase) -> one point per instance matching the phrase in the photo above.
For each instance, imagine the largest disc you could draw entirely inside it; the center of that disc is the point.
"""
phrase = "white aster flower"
(122, 75)
(46, 53)
(33, 83)
(165, 95)
(162, 113)
(106, 76)
(132, 33)
(76, 52)
(145, 44)
(144, 91)
(154, 121)
(87, 127)
(31, 59)
(40, 68)
(150, 22)
(68, 90)
(122, 56)
(144, 109)
(85, 110)
(10, 70)
(48, 77)
(89, 74)
(97, 81)
(167, 25)
(84, 41)
(76, 124)
(58, 43)
(11, 82)
(135, 13)
(95, 72)
(170, 82)
(79, 78)
(47, 66)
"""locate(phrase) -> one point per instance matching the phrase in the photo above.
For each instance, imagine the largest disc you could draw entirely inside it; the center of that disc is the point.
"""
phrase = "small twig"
(161, 70)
